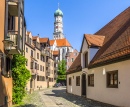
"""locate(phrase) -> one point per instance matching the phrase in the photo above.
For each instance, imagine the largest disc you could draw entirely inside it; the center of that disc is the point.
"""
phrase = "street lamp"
(8, 44)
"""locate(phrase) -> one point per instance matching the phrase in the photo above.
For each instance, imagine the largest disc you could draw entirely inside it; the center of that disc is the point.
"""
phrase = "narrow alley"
(57, 97)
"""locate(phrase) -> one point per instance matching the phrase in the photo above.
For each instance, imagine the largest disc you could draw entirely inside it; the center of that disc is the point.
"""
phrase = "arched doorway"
(83, 85)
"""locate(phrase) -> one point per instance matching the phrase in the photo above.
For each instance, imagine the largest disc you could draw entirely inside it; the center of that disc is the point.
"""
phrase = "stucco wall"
(84, 49)
(5, 83)
(117, 96)
(73, 88)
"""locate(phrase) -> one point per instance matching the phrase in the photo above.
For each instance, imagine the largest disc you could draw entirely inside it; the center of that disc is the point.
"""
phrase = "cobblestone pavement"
(57, 97)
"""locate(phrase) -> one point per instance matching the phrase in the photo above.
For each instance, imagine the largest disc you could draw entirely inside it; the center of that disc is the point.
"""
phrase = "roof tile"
(60, 42)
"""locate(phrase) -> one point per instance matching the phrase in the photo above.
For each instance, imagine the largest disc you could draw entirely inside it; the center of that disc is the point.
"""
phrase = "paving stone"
(63, 99)
(57, 97)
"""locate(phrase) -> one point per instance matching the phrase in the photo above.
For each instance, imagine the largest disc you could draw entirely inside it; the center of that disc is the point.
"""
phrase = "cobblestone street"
(58, 97)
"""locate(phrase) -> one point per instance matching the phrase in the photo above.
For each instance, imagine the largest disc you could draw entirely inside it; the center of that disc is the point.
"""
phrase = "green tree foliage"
(20, 77)
(61, 71)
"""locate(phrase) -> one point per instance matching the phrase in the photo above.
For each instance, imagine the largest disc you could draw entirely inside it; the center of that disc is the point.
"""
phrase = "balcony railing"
(33, 71)
(44, 52)
(47, 73)
(17, 47)
(13, 0)
(56, 68)
(56, 61)
(13, 7)
(47, 64)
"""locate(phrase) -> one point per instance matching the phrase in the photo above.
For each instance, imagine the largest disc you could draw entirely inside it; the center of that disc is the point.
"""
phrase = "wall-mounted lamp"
(8, 44)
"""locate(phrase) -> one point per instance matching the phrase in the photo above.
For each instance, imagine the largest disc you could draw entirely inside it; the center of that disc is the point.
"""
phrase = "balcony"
(55, 68)
(47, 73)
(13, 7)
(44, 52)
(47, 64)
(56, 61)
(17, 47)
(33, 71)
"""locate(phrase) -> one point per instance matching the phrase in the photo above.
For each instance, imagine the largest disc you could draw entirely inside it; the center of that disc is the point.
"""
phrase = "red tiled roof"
(117, 40)
(76, 65)
(43, 40)
(60, 42)
(34, 37)
(28, 33)
(56, 52)
(114, 25)
(94, 40)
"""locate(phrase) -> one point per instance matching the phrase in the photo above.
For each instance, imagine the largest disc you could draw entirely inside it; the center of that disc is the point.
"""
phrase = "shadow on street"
(27, 105)
(78, 100)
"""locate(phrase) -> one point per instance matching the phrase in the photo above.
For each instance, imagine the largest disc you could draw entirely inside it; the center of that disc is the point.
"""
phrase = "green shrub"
(61, 71)
(20, 76)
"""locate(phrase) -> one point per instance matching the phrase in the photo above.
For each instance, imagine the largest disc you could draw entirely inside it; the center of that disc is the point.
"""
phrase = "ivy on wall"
(20, 76)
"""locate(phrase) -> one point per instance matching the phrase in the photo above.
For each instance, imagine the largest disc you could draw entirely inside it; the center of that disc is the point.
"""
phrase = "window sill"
(90, 85)
(112, 86)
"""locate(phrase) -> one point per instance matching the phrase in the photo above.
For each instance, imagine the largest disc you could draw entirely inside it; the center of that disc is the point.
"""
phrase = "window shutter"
(3, 66)
(31, 65)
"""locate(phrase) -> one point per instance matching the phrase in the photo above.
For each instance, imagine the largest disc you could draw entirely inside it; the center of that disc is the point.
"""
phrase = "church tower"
(58, 24)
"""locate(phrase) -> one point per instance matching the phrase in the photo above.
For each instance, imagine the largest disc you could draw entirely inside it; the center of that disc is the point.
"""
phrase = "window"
(43, 68)
(72, 59)
(41, 57)
(78, 81)
(8, 64)
(86, 59)
(27, 63)
(11, 22)
(40, 67)
(63, 50)
(31, 53)
(70, 81)
(31, 65)
(26, 49)
(30, 41)
(37, 66)
(37, 55)
(40, 78)
(37, 78)
(91, 80)
(112, 79)
(75, 54)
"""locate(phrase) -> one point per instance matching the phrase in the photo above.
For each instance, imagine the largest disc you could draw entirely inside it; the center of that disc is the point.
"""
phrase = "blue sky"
(80, 17)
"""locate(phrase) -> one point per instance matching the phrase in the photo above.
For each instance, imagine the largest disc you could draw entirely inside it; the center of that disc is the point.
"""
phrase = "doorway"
(83, 85)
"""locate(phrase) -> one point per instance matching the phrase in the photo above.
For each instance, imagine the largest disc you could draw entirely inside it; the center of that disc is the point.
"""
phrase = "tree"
(20, 76)
(61, 71)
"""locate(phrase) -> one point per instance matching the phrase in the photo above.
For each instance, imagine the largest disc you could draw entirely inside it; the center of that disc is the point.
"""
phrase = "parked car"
(57, 85)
